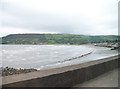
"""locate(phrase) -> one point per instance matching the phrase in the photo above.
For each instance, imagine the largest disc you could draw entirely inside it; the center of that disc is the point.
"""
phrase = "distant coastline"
(64, 39)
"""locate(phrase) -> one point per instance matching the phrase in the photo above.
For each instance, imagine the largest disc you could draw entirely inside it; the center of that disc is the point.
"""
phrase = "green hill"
(56, 39)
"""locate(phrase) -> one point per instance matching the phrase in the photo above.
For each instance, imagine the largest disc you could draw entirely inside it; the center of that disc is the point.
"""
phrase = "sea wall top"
(48, 72)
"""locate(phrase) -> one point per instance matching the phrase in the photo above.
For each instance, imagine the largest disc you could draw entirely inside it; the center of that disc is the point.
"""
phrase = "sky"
(86, 17)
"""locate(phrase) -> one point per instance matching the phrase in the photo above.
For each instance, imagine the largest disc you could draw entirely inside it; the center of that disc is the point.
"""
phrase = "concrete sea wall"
(62, 77)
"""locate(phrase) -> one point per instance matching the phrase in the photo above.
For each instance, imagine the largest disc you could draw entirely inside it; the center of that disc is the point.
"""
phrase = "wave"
(60, 62)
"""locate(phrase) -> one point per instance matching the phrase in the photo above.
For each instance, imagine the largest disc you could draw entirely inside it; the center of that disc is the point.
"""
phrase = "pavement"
(109, 79)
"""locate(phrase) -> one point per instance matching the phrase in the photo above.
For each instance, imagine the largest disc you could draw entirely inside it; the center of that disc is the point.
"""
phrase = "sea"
(51, 56)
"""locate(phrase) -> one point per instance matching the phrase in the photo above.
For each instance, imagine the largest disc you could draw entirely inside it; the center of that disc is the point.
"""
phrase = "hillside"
(56, 39)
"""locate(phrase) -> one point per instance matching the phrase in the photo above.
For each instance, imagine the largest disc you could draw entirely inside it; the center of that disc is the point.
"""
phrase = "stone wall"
(68, 78)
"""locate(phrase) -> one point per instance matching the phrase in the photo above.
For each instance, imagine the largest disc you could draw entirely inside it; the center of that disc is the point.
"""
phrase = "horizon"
(53, 34)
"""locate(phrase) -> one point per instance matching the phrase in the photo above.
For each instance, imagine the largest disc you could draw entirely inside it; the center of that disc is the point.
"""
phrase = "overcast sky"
(88, 17)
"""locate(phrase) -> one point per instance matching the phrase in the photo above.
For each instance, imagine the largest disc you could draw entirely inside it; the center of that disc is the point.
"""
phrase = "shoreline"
(63, 73)
(7, 71)
(25, 70)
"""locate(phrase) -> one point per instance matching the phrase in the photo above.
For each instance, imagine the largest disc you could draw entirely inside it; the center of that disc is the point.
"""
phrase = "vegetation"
(56, 39)
(107, 41)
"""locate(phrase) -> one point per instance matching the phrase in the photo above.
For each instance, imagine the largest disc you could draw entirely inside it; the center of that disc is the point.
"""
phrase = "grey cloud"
(44, 21)
(39, 21)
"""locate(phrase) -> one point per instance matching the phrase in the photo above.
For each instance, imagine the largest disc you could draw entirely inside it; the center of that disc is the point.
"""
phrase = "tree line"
(57, 39)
